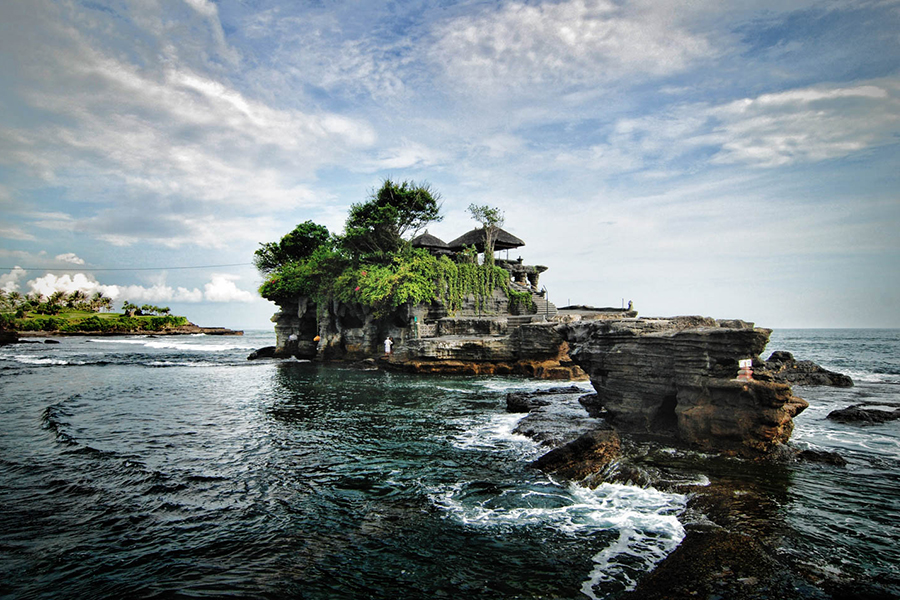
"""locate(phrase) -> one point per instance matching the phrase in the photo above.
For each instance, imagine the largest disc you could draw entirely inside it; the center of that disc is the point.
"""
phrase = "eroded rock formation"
(677, 378)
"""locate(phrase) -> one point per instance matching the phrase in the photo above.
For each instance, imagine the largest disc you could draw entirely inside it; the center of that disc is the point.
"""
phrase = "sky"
(732, 159)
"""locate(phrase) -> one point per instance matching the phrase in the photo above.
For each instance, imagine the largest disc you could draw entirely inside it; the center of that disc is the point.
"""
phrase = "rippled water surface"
(166, 467)
(845, 521)
(161, 467)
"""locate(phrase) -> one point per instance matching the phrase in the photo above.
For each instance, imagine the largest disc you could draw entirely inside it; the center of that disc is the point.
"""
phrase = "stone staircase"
(544, 307)
(545, 310)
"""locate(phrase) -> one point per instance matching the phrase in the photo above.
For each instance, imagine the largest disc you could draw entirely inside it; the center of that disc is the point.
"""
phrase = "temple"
(509, 330)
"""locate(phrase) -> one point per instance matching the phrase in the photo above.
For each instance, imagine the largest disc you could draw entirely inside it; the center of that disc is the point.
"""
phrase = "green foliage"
(491, 220)
(374, 229)
(73, 323)
(297, 245)
(372, 265)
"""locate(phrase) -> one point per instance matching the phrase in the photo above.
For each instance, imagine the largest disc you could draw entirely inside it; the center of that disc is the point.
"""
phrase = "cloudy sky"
(730, 159)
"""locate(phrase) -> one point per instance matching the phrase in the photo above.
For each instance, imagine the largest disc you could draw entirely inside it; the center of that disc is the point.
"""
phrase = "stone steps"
(544, 307)
(514, 321)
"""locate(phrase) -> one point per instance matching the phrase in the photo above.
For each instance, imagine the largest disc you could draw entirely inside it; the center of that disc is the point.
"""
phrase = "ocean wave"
(39, 360)
(159, 344)
(182, 363)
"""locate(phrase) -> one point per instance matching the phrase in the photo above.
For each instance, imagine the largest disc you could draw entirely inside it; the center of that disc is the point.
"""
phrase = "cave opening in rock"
(666, 418)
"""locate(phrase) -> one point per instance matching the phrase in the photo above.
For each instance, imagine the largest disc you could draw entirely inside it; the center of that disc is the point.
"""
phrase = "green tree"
(491, 220)
(296, 245)
(374, 229)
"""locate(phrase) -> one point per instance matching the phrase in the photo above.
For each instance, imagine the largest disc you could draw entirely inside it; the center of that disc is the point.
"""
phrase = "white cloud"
(525, 47)
(158, 293)
(222, 288)
(9, 282)
(407, 155)
(807, 125)
(151, 126)
(15, 233)
(801, 125)
(70, 257)
(50, 283)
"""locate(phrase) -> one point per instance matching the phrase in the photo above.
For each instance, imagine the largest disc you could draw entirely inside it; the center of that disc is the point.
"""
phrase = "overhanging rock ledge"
(677, 379)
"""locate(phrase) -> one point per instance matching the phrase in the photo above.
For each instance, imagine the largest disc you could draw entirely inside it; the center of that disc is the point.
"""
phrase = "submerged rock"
(823, 457)
(523, 402)
(866, 413)
(265, 352)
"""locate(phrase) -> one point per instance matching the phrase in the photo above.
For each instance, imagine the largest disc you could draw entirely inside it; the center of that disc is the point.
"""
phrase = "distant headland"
(78, 314)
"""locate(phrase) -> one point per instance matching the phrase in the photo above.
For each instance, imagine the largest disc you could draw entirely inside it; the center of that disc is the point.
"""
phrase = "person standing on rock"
(388, 342)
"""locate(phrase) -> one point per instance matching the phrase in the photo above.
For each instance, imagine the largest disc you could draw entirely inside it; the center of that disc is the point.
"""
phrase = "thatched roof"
(426, 240)
(504, 241)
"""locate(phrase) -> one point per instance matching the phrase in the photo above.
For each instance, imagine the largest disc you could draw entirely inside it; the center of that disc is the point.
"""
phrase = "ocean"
(172, 467)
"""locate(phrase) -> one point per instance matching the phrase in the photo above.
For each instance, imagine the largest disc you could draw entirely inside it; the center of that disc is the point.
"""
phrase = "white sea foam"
(494, 433)
(645, 519)
(509, 385)
(182, 363)
(175, 344)
(37, 360)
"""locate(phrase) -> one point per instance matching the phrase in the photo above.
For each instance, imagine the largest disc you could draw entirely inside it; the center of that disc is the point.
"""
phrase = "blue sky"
(729, 159)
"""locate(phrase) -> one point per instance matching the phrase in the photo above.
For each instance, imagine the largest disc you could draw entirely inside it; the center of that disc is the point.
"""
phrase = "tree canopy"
(296, 245)
(375, 228)
(491, 219)
(372, 264)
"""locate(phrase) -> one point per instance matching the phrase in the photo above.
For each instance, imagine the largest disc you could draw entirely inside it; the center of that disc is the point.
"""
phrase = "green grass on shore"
(75, 321)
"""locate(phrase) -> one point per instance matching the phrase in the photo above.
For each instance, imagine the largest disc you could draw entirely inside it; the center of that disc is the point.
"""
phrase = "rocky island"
(696, 384)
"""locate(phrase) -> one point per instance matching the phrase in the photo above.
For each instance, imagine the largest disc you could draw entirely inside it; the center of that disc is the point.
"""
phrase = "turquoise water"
(173, 467)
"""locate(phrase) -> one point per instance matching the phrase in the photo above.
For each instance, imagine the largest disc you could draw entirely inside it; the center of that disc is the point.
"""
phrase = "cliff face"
(482, 338)
(677, 378)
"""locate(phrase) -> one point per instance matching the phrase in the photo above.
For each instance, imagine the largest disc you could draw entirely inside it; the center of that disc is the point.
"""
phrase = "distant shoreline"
(182, 330)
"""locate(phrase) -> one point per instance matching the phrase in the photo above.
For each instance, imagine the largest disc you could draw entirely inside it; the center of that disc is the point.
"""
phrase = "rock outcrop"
(8, 337)
(867, 413)
(781, 367)
(589, 453)
(678, 379)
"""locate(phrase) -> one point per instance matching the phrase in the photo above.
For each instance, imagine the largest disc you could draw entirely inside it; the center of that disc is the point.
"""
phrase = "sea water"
(173, 467)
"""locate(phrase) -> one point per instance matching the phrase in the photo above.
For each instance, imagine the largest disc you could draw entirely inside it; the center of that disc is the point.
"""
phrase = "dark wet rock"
(8, 337)
(367, 364)
(265, 352)
(51, 341)
(782, 367)
(557, 419)
(866, 413)
(677, 379)
(523, 402)
(588, 454)
(823, 457)
(725, 565)
(593, 405)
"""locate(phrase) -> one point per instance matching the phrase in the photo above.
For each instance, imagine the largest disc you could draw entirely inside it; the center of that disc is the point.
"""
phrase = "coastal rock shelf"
(678, 379)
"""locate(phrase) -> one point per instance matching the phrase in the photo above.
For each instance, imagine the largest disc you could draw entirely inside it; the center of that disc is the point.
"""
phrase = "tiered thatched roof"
(504, 241)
